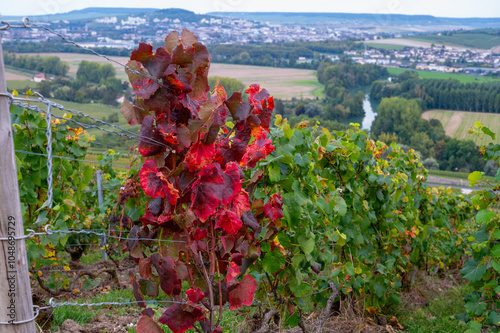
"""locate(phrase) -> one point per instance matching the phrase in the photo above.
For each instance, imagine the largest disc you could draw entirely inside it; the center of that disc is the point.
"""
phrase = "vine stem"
(220, 296)
(210, 291)
(188, 259)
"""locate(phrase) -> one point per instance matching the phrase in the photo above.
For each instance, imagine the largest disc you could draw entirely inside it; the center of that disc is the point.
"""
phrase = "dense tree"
(398, 115)
(230, 85)
(48, 65)
(94, 72)
(443, 94)
(350, 75)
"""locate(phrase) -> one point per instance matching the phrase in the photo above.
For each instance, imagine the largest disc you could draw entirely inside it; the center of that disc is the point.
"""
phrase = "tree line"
(48, 65)
(448, 94)
(94, 82)
(279, 55)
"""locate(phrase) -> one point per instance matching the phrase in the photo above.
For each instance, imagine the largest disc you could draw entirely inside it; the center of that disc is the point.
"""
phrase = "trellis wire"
(25, 21)
(116, 148)
(80, 270)
(55, 156)
(54, 304)
(32, 233)
(49, 231)
(37, 312)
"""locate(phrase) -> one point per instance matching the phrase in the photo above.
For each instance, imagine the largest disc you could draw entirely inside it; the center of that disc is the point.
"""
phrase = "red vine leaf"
(143, 54)
(200, 234)
(232, 271)
(157, 63)
(177, 85)
(200, 86)
(230, 151)
(165, 267)
(242, 293)
(273, 209)
(207, 192)
(182, 56)
(201, 59)
(145, 268)
(144, 87)
(195, 296)
(256, 152)
(148, 325)
(171, 41)
(136, 290)
(133, 114)
(188, 38)
(256, 94)
(148, 312)
(180, 320)
(241, 203)
(232, 182)
(155, 184)
(267, 111)
(151, 141)
(199, 156)
(228, 221)
(237, 258)
(136, 67)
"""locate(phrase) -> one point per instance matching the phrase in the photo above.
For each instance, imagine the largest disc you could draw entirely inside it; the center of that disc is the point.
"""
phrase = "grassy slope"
(437, 75)
(476, 40)
(468, 119)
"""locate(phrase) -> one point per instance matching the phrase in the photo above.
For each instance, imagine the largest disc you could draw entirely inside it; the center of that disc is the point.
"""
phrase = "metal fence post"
(101, 201)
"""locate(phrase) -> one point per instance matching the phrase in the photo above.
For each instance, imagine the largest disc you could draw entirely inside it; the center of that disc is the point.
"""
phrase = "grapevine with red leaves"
(198, 175)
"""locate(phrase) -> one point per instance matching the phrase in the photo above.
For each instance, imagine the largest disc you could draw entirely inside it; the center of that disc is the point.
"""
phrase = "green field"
(385, 46)
(464, 78)
(475, 40)
(458, 123)
(21, 84)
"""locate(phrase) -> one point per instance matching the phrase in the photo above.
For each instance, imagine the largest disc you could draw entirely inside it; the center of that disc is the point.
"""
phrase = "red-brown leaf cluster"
(194, 175)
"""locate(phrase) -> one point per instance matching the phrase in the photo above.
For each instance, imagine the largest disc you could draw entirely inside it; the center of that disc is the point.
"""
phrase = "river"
(370, 108)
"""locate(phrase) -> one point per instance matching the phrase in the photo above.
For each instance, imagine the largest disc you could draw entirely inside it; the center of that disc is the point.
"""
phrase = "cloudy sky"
(443, 8)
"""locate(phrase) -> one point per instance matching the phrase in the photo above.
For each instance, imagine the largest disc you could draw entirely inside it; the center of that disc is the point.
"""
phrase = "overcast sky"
(443, 8)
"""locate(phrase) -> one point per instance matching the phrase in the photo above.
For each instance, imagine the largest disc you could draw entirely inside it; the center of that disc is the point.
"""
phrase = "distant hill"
(87, 13)
(362, 19)
(178, 13)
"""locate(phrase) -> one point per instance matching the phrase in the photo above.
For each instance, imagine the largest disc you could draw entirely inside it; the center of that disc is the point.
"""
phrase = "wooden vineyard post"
(15, 291)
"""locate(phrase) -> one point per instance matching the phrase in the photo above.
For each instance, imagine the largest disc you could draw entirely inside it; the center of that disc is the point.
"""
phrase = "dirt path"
(454, 123)
(12, 76)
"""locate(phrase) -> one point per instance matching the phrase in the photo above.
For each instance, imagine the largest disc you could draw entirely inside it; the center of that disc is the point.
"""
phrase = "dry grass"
(457, 124)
